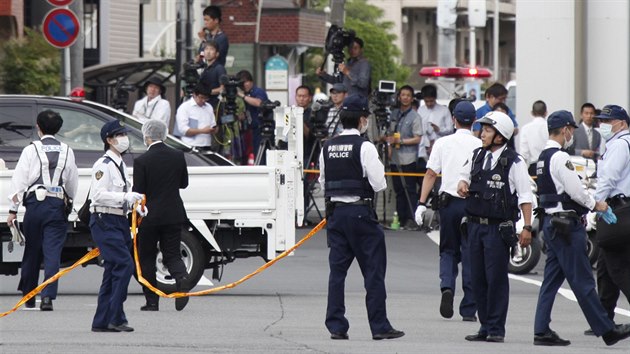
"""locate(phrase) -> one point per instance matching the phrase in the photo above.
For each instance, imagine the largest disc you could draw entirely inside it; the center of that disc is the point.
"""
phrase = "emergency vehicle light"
(455, 72)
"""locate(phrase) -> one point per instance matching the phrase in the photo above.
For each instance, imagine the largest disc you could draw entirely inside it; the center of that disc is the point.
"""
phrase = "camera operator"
(212, 32)
(153, 106)
(407, 127)
(333, 124)
(211, 75)
(195, 119)
(355, 74)
(253, 96)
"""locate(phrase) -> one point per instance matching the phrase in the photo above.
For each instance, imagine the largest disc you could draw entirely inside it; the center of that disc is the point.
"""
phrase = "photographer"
(355, 74)
(253, 96)
(333, 124)
(212, 73)
(153, 106)
(195, 119)
(212, 32)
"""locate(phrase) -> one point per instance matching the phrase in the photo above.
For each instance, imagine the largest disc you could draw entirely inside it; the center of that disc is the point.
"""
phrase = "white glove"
(420, 214)
(142, 211)
(132, 197)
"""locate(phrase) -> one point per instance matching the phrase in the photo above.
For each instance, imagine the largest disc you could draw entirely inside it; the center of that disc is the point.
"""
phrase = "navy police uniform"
(565, 202)
(351, 173)
(47, 165)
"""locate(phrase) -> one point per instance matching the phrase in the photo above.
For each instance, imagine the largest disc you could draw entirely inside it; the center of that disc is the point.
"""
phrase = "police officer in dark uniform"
(351, 173)
(566, 202)
(111, 200)
(45, 173)
(495, 186)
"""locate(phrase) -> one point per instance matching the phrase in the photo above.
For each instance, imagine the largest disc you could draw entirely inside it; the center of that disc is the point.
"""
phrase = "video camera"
(231, 85)
(121, 95)
(268, 124)
(336, 40)
(319, 116)
(384, 98)
(190, 74)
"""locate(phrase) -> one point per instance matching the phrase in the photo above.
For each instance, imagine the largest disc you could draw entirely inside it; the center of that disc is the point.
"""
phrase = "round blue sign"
(61, 27)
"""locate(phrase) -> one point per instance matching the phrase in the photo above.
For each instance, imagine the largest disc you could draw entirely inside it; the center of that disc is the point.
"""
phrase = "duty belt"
(51, 191)
(618, 201)
(484, 221)
(108, 210)
(367, 202)
(566, 214)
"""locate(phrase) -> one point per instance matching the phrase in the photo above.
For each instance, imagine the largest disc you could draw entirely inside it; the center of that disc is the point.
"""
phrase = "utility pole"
(76, 50)
(446, 21)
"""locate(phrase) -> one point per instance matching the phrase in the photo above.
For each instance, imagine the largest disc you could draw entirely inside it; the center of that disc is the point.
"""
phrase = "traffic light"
(455, 72)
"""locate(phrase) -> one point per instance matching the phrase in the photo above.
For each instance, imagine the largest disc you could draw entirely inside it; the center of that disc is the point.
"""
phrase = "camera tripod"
(266, 143)
(309, 198)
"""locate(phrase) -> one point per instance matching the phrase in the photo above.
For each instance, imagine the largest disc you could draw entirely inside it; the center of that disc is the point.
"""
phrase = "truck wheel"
(592, 249)
(528, 259)
(194, 258)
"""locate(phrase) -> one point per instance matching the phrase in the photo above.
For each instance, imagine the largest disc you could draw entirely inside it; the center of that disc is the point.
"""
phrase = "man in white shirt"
(195, 119)
(534, 136)
(153, 106)
(439, 115)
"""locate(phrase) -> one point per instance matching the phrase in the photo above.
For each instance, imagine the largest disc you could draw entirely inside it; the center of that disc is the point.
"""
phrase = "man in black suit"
(587, 140)
(159, 174)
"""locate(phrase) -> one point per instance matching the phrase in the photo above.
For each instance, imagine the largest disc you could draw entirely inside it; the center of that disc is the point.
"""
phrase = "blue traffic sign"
(61, 27)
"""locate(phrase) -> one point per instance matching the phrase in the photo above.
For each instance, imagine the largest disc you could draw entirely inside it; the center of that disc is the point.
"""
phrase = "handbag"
(610, 236)
(84, 213)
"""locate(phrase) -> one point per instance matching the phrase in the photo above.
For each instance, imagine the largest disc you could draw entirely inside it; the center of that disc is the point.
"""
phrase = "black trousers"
(613, 276)
(169, 238)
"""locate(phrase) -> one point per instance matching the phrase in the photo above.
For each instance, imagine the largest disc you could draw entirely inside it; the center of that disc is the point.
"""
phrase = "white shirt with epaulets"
(613, 170)
(107, 188)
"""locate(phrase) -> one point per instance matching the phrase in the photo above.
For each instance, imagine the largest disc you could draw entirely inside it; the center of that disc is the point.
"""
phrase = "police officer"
(613, 186)
(45, 180)
(351, 173)
(111, 201)
(448, 156)
(495, 186)
(565, 202)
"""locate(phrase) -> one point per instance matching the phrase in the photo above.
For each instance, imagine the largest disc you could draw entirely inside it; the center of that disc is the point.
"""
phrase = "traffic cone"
(250, 160)
(395, 222)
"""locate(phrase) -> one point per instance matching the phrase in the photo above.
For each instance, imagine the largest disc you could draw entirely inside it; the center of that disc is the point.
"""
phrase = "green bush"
(30, 65)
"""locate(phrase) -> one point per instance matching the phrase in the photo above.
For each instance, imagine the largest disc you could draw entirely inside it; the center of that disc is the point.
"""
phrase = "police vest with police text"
(547, 191)
(343, 169)
(489, 192)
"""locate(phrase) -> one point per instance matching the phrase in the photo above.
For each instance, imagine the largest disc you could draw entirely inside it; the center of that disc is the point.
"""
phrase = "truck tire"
(592, 248)
(194, 258)
(530, 258)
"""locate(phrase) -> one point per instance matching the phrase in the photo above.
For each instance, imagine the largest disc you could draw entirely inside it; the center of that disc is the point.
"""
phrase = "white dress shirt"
(373, 168)
(449, 156)
(566, 179)
(533, 138)
(28, 170)
(158, 108)
(613, 170)
(191, 115)
(517, 176)
(440, 116)
(426, 138)
(107, 188)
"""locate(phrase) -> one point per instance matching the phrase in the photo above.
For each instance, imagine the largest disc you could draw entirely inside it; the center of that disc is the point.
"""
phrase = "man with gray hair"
(159, 174)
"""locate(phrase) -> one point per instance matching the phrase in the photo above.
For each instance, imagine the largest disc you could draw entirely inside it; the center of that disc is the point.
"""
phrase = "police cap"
(559, 119)
(112, 128)
(612, 111)
(465, 112)
(356, 103)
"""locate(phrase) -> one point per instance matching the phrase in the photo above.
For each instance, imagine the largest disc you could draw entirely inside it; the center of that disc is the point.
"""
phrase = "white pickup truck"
(234, 211)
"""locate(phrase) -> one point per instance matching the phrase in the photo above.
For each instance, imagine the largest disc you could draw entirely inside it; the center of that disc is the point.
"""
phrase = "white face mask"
(364, 128)
(567, 143)
(605, 130)
(123, 144)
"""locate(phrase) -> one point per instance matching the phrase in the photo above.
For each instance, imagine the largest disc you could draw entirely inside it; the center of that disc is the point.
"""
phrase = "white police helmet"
(499, 121)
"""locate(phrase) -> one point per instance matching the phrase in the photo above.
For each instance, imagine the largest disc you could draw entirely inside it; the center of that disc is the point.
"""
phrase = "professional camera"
(121, 95)
(336, 40)
(384, 98)
(268, 124)
(190, 74)
(319, 116)
(230, 91)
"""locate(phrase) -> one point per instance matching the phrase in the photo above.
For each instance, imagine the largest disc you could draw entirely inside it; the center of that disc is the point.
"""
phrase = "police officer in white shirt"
(534, 136)
(195, 119)
(449, 156)
(44, 181)
(153, 106)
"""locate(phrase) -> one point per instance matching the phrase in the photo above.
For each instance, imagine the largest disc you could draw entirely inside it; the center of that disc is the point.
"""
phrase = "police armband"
(14, 212)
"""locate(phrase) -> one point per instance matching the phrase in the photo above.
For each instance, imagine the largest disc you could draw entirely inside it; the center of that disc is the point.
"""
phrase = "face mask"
(568, 143)
(605, 130)
(364, 128)
(123, 144)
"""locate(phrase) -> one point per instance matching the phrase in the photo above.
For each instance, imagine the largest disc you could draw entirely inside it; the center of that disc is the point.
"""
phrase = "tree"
(365, 20)
(30, 65)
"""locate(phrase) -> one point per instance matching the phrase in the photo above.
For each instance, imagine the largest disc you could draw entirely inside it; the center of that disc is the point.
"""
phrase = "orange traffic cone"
(250, 160)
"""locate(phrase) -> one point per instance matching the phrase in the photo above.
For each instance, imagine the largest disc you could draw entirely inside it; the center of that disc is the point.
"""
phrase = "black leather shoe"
(181, 286)
(495, 339)
(46, 304)
(551, 339)
(30, 304)
(469, 318)
(589, 332)
(339, 335)
(476, 337)
(150, 307)
(446, 305)
(391, 334)
(119, 328)
(616, 334)
(99, 329)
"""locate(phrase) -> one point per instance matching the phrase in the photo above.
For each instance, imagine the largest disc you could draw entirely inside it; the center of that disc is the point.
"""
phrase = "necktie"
(589, 136)
(488, 164)
(122, 174)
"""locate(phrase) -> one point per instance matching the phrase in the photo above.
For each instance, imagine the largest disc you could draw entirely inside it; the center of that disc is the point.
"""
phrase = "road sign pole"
(66, 71)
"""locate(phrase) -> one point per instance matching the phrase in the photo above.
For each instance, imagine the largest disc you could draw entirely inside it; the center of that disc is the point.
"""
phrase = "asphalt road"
(282, 311)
